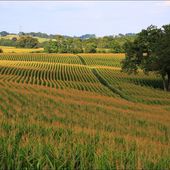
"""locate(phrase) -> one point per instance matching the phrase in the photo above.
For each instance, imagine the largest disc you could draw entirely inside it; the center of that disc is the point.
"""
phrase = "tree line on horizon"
(88, 43)
(106, 44)
(51, 36)
(67, 44)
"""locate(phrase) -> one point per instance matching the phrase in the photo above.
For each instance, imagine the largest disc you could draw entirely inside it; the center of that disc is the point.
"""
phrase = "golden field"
(19, 50)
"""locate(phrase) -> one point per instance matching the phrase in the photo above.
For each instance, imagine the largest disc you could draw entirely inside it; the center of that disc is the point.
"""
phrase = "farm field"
(9, 49)
(68, 111)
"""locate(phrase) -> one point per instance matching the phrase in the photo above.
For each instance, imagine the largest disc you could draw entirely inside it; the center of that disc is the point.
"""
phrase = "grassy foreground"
(70, 111)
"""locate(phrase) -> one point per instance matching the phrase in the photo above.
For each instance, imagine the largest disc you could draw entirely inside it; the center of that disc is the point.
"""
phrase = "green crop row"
(80, 112)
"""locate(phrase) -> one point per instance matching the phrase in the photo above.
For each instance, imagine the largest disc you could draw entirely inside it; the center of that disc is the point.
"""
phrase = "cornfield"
(65, 111)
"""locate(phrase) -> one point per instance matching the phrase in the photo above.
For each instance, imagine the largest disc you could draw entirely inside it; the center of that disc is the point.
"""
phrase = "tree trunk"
(164, 83)
(168, 84)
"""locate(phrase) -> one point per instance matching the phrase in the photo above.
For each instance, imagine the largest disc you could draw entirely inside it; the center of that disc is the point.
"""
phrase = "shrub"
(27, 42)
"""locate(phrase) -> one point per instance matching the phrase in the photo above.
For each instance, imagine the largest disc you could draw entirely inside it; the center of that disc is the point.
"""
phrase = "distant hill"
(6, 34)
(87, 36)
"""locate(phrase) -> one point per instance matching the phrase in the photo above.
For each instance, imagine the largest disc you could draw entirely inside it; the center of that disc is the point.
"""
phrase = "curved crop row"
(54, 117)
(52, 75)
(51, 58)
(44, 128)
(112, 60)
(140, 87)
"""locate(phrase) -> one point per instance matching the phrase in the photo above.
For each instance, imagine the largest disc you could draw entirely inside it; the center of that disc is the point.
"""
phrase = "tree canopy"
(150, 51)
(7, 42)
(62, 44)
(27, 42)
(67, 44)
(4, 33)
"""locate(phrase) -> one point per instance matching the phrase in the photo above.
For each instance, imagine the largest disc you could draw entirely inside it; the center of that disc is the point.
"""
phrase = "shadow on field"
(157, 83)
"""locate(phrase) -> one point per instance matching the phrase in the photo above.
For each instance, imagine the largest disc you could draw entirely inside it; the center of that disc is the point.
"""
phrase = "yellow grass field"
(19, 50)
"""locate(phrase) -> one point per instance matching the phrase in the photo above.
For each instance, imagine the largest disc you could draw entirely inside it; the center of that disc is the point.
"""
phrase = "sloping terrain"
(80, 112)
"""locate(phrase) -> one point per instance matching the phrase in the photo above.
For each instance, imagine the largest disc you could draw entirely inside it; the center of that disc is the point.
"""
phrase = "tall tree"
(150, 51)
(162, 51)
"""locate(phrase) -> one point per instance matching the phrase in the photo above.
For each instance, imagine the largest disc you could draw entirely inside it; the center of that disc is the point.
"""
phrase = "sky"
(75, 18)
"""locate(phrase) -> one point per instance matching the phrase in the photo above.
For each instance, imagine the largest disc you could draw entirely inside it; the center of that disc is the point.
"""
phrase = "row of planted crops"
(75, 72)
(65, 111)
(90, 59)
(51, 75)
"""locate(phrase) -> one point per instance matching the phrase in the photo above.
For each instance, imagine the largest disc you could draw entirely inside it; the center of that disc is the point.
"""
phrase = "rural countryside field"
(79, 111)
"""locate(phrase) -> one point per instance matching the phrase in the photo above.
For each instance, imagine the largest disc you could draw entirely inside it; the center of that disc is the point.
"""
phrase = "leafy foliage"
(90, 48)
(7, 42)
(62, 45)
(27, 42)
(67, 44)
(150, 51)
(90, 45)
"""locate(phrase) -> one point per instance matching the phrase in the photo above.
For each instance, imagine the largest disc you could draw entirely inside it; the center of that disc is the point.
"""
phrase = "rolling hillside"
(65, 111)
(10, 36)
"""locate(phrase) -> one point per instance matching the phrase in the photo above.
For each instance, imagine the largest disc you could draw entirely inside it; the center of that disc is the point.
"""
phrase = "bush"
(7, 42)
(51, 47)
(27, 42)
(90, 48)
